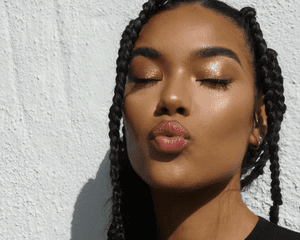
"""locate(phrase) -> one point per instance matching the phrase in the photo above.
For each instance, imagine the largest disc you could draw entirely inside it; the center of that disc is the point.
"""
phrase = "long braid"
(259, 47)
(272, 80)
(116, 230)
(251, 161)
(281, 109)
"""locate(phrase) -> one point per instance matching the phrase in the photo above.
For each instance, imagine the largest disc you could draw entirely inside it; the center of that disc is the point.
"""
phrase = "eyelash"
(215, 84)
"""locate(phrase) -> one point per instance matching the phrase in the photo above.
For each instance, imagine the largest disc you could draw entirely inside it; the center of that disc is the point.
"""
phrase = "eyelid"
(216, 84)
(132, 78)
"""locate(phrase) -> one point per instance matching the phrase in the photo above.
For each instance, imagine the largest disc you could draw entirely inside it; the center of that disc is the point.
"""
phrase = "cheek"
(137, 125)
(234, 126)
(224, 125)
(231, 114)
(136, 115)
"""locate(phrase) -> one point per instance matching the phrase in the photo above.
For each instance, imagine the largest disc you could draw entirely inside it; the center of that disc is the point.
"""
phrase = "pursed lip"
(170, 129)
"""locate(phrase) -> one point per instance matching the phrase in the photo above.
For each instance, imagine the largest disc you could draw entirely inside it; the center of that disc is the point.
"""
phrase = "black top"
(265, 230)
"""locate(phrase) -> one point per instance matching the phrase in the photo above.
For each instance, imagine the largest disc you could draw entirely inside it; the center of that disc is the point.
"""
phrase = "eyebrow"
(151, 53)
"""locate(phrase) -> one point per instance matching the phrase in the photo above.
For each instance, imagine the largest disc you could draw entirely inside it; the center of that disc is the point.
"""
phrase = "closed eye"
(216, 84)
(142, 81)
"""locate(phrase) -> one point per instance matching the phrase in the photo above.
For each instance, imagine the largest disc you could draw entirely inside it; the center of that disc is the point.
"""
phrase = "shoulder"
(265, 230)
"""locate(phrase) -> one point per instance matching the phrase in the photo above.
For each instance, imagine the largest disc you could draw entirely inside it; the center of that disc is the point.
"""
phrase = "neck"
(207, 213)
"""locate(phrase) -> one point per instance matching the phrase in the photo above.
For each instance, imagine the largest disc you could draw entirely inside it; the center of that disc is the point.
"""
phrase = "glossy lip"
(169, 129)
(170, 144)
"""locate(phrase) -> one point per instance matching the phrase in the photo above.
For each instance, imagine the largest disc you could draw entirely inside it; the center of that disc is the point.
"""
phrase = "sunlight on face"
(190, 65)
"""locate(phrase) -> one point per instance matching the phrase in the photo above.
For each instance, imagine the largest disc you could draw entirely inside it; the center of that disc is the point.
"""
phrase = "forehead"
(189, 27)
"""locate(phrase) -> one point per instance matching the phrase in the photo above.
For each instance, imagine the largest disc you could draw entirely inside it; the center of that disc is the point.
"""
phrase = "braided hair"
(131, 199)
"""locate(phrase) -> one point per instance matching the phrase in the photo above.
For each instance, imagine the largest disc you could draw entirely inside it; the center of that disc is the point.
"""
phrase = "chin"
(182, 184)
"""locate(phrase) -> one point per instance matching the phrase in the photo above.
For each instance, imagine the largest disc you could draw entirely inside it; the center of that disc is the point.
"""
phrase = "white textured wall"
(57, 69)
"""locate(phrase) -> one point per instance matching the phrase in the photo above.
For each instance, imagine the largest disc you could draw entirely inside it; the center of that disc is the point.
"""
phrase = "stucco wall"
(57, 68)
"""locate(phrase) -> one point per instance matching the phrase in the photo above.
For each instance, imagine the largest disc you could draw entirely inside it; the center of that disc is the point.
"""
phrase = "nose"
(175, 97)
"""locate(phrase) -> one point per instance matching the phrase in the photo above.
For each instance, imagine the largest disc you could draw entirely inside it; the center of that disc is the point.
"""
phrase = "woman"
(202, 100)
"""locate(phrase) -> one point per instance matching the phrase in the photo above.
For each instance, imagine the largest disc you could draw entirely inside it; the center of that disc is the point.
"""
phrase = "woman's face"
(219, 121)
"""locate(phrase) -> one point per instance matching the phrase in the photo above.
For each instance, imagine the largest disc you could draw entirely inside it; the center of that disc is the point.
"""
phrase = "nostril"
(164, 110)
(180, 110)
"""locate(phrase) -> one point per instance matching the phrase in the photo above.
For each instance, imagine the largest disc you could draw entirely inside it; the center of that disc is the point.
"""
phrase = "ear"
(259, 128)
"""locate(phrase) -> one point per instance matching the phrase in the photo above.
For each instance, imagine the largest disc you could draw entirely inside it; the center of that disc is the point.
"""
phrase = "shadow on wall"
(91, 215)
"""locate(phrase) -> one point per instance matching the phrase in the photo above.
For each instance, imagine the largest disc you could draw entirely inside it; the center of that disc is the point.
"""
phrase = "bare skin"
(196, 193)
